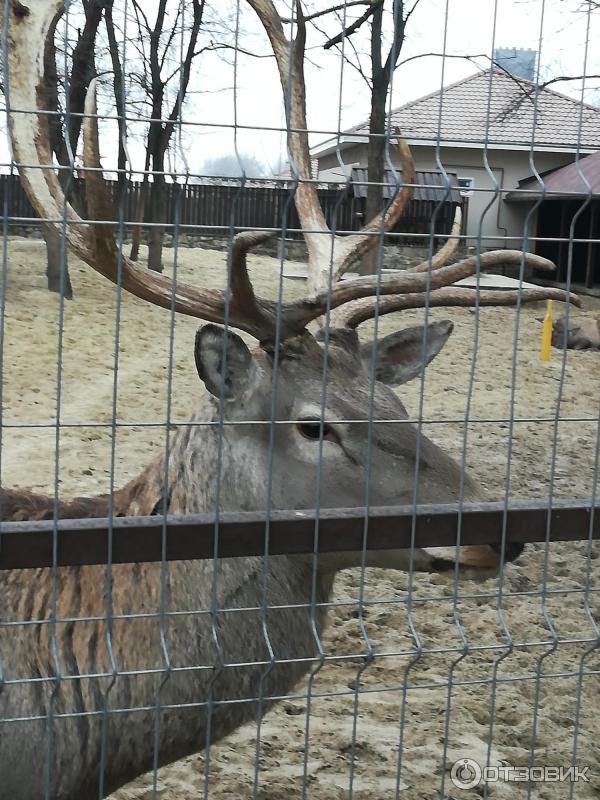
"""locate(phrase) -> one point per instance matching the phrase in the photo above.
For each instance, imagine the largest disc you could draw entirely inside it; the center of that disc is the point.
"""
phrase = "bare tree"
(64, 136)
(384, 25)
(164, 78)
(119, 94)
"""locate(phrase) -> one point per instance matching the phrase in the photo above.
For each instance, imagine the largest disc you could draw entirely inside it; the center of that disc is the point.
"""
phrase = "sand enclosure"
(545, 648)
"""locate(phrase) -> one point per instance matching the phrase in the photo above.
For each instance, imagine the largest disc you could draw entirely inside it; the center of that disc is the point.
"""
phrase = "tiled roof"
(509, 104)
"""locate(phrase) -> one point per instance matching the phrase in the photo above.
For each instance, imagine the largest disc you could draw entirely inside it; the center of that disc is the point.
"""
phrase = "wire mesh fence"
(267, 539)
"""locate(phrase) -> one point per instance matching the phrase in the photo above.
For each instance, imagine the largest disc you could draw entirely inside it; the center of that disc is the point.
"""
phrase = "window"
(466, 186)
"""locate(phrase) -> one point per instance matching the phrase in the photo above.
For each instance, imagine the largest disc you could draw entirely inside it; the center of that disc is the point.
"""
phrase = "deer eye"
(311, 429)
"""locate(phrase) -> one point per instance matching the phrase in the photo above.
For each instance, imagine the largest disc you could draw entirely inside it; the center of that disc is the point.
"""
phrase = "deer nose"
(512, 550)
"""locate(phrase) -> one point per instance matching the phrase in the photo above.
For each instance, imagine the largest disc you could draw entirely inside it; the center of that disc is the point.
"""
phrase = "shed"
(485, 128)
(433, 192)
(568, 197)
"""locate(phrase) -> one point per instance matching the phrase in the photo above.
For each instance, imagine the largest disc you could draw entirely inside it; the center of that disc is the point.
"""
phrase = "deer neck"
(209, 471)
(202, 471)
(198, 452)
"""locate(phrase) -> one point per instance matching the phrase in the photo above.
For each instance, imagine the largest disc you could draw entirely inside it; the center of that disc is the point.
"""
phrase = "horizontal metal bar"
(225, 229)
(134, 539)
(232, 423)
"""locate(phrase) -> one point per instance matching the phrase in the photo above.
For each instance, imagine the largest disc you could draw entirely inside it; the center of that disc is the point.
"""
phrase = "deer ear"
(399, 357)
(224, 362)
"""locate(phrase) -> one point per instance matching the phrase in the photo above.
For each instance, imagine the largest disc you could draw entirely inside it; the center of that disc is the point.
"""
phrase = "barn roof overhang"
(575, 181)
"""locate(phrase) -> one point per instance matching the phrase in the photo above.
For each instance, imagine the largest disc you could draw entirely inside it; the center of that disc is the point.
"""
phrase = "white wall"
(497, 223)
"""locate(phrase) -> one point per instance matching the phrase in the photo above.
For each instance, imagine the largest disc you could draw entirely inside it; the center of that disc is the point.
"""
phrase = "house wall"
(502, 224)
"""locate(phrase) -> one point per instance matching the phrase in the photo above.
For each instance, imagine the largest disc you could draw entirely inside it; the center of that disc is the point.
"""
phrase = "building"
(566, 202)
(493, 130)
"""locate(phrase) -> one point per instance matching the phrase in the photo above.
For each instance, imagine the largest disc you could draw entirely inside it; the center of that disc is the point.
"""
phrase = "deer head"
(337, 440)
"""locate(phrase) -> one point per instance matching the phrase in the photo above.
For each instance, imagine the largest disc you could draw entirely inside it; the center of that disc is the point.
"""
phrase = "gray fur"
(88, 668)
(224, 362)
(582, 333)
(399, 357)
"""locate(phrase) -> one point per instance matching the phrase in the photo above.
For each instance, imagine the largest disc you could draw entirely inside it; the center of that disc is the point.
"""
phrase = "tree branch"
(83, 68)
(398, 39)
(340, 7)
(198, 6)
(355, 65)
(139, 12)
(354, 26)
(214, 47)
(119, 90)
(171, 36)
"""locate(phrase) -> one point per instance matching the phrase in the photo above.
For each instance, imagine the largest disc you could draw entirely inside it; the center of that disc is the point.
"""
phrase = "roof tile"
(494, 107)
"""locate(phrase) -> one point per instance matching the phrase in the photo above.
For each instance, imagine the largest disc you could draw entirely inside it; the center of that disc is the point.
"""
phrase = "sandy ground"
(539, 649)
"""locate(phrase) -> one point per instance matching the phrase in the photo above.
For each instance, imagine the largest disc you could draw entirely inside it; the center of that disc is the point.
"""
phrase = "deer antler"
(445, 253)
(95, 242)
(353, 314)
(328, 256)
(441, 292)
(289, 56)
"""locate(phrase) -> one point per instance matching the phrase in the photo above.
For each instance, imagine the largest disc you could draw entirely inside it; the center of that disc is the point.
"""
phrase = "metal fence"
(295, 509)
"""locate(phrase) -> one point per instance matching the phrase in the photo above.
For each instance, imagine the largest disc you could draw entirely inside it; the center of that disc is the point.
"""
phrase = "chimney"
(519, 62)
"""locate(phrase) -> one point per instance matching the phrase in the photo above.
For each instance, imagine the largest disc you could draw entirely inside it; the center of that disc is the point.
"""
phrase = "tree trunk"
(158, 209)
(381, 76)
(375, 169)
(138, 219)
(82, 71)
(140, 211)
(119, 92)
(57, 271)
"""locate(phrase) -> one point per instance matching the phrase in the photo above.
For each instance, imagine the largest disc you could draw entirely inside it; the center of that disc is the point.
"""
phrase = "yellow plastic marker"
(546, 333)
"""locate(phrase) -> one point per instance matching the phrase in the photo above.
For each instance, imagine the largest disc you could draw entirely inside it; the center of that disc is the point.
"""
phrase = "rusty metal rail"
(236, 534)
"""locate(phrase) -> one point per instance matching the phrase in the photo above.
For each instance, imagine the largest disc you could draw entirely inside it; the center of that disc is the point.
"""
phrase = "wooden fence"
(206, 209)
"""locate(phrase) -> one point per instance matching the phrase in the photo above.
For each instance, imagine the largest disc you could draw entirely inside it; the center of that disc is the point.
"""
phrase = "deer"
(576, 333)
(108, 673)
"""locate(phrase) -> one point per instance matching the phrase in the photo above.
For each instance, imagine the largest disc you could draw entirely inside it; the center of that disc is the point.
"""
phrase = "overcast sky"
(336, 95)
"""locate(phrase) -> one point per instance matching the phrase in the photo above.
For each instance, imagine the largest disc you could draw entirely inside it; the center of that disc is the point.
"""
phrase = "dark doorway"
(555, 221)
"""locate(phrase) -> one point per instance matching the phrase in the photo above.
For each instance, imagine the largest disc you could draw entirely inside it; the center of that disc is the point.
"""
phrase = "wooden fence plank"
(210, 206)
